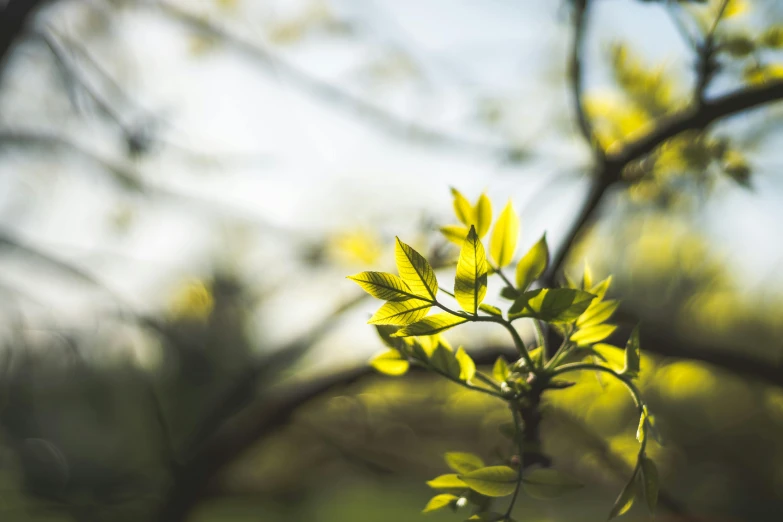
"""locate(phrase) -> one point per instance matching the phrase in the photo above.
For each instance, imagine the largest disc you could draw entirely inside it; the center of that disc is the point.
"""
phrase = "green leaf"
(466, 364)
(385, 333)
(470, 285)
(600, 289)
(553, 305)
(415, 271)
(454, 233)
(463, 209)
(500, 371)
(650, 482)
(431, 325)
(401, 313)
(546, 483)
(492, 310)
(509, 293)
(533, 264)
(448, 481)
(587, 277)
(593, 334)
(463, 462)
(625, 500)
(390, 363)
(597, 313)
(633, 356)
(483, 212)
(446, 362)
(439, 502)
(772, 37)
(493, 481)
(381, 285)
(503, 242)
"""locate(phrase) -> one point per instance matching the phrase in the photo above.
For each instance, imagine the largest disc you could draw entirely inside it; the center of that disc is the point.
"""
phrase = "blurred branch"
(257, 420)
(388, 121)
(575, 66)
(697, 117)
(706, 65)
(14, 18)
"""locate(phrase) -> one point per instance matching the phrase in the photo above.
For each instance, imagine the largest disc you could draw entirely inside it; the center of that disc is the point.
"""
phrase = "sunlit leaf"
(587, 277)
(470, 284)
(431, 325)
(624, 500)
(401, 313)
(439, 502)
(503, 242)
(546, 483)
(593, 334)
(500, 371)
(483, 212)
(633, 355)
(449, 481)
(381, 285)
(553, 305)
(597, 313)
(599, 290)
(466, 364)
(533, 264)
(463, 209)
(390, 363)
(454, 233)
(650, 482)
(493, 481)
(415, 271)
(444, 361)
(492, 310)
(463, 462)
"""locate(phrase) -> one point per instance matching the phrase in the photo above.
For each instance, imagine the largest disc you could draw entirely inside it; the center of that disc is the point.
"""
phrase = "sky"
(296, 164)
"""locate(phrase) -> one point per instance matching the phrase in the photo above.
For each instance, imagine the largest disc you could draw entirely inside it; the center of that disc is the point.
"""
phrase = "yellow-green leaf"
(553, 305)
(599, 290)
(483, 212)
(454, 233)
(439, 502)
(500, 371)
(466, 364)
(430, 325)
(463, 209)
(587, 277)
(488, 516)
(597, 313)
(593, 334)
(546, 483)
(625, 500)
(381, 285)
(492, 310)
(390, 363)
(650, 482)
(493, 481)
(503, 242)
(470, 284)
(401, 313)
(633, 355)
(463, 462)
(444, 361)
(533, 264)
(415, 271)
(449, 481)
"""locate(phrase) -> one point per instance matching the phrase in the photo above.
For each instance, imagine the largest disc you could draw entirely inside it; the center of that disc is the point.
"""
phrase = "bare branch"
(387, 121)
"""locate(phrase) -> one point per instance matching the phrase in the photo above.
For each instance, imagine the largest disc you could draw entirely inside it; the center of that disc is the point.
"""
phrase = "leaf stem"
(465, 384)
(486, 380)
(517, 433)
(505, 279)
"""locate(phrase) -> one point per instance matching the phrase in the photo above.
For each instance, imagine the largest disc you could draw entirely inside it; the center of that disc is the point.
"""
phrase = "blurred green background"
(184, 186)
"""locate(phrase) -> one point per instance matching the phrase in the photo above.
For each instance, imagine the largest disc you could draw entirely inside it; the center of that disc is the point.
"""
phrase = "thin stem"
(517, 433)
(505, 279)
(635, 393)
(541, 339)
(450, 294)
(486, 380)
(465, 384)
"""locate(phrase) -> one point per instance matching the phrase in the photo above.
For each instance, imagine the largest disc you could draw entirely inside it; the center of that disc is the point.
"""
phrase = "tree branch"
(387, 121)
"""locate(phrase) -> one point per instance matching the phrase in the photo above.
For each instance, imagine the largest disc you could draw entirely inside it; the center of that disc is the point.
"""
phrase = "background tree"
(186, 184)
